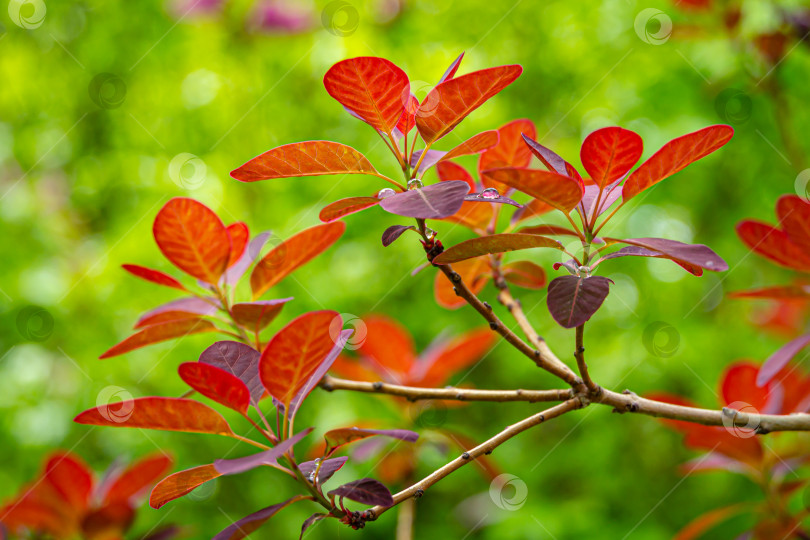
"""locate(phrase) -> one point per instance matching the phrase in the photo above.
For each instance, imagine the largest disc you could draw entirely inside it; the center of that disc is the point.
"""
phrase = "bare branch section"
(418, 489)
(414, 393)
(579, 354)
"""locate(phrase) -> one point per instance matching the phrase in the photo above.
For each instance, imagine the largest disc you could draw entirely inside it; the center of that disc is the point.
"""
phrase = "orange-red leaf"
(525, 274)
(474, 145)
(309, 158)
(674, 156)
(794, 216)
(773, 244)
(295, 353)
(533, 208)
(739, 384)
(193, 238)
(707, 521)
(256, 315)
(160, 332)
(217, 384)
(456, 355)
(474, 273)
(607, 154)
(344, 207)
(181, 483)
(408, 119)
(496, 243)
(510, 151)
(240, 235)
(375, 89)
(388, 345)
(561, 192)
(168, 414)
(447, 170)
(292, 253)
(155, 276)
(71, 479)
(451, 101)
(137, 477)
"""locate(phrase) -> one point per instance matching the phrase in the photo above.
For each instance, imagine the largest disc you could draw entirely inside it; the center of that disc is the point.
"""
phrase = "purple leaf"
(310, 520)
(432, 157)
(254, 248)
(435, 201)
(572, 300)
(482, 197)
(365, 491)
(611, 194)
(248, 524)
(328, 468)
(240, 360)
(268, 457)
(693, 257)
(451, 71)
(191, 304)
(336, 438)
(780, 358)
(552, 161)
(393, 232)
(316, 377)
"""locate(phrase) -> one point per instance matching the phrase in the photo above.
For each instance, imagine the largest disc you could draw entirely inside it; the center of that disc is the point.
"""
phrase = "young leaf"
(552, 161)
(533, 208)
(778, 360)
(328, 468)
(181, 483)
(293, 253)
(691, 255)
(254, 316)
(773, 244)
(483, 142)
(675, 156)
(794, 216)
(572, 300)
(450, 72)
(168, 414)
(254, 249)
(193, 238)
(388, 346)
(268, 457)
(309, 158)
(155, 276)
(739, 384)
(408, 119)
(191, 307)
(435, 201)
(340, 339)
(495, 243)
(160, 332)
(606, 198)
(510, 151)
(217, 384)
(248, 524)
(295, 353)
(336, 438)
(607, 154)
(451, 101)
(239, 234)
(365, 491)
(393, 232)
(344, 207)
(442, 361)
(239, 360)
(561, 192)
(525, 274)
(375, 89)
(447, 170)
(136, 478)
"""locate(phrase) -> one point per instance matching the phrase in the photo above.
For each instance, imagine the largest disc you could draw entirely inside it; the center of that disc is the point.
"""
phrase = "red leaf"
(239, 360)
(607, 154)
(160, 332)
(794, 216)
(561, 192)
(388, 345)
(373, 88)
(549, 230)
(239, 235)
(155, 276)
(408, 119)
(510, 151)
(774, 293)
(191, 307)
(525, 274)
(293, 253)
(739, 384)
(344, 207)
(474, 273)
(447, 170)
(451, 101)
(572, 300)
(136, 478)
(216, 384)
(193, 238)
(309, 158)
(495, 243)
(773, 244)
(169, 414)
(181, 483)
(71, 479)
(256, 315)
(457, 354)
(707, 521)
(295, 353)
(336, 438)
(674, 156)
(476, 144)
(533, 208)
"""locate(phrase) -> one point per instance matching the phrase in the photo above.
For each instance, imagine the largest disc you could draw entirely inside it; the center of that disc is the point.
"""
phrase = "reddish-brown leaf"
(70, 478)
(217, 384)
(533, 208)
(674, 156)
(408, 119)
(191, 307)
(697, 528)
(309, 158)
(181, 483)
(375, 89)
(473, 215)
(454, 356)
(168, 414)
(510, 151)
(572, 300)
(292, 253)
(794, 216)
(155, 276)
(739, 384)
(447, 170)
(137, 477)
(474, 273)
(607, 154)
(295, 353)
(256, 315)
(525, 274)
(474, 145)
(239, 235)
(496, 243)
(193, 238)
(388, 345)
(773, 244)
(451, 101)
(561, 192)
(344, 207)
(160, 332)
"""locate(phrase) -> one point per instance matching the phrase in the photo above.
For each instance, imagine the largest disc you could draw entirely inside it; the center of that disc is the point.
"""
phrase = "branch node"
(488, 452)
(488, 306)
(377, 386)
(465, 455)
(493, 325)
(418, 493)
(455, 277)
(455, 290)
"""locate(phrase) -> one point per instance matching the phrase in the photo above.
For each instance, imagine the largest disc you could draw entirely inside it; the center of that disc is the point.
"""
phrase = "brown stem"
(413, 393)
(579, 354)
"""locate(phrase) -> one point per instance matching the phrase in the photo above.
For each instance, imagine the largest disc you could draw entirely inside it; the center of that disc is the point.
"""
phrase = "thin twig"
(579, 354)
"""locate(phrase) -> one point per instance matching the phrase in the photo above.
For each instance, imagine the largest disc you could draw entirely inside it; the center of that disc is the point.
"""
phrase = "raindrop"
(415, 184)
(385, 192)
(489, 193)
(430, 233)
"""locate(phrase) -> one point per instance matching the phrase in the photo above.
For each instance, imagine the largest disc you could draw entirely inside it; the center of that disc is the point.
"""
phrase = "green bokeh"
(81, 184)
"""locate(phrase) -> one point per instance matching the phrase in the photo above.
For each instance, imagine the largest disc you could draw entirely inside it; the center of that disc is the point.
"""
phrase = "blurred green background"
(108, 109)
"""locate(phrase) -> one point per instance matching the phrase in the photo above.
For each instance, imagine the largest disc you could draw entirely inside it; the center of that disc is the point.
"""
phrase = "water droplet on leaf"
(414, 184)
(489, 193)
(385, 192)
